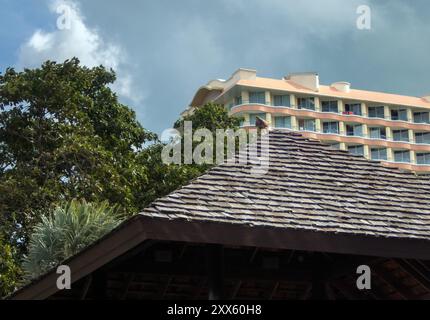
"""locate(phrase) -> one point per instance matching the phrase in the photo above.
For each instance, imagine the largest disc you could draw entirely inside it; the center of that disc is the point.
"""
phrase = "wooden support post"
(215, 266)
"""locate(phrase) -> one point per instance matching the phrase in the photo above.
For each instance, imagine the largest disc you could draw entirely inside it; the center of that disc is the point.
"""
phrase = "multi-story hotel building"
(390, 128)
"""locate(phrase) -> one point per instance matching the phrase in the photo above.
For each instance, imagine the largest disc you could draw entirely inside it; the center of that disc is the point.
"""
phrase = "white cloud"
(40, 41)
(78, 40)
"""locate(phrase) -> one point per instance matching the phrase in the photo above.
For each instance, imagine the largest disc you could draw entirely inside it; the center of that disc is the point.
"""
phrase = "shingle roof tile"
(309, 186)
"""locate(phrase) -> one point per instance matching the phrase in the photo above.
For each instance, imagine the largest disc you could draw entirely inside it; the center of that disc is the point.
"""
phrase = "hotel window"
(421, 117)
(307, 124)
(399, 114)
(377, 133)
(423, 158)
(257, 97)
(376, 112)
(253, 117)
(283, 122)
(354, 130)
(402, 156)
(353, 108)
(359, 150)
(331, 127)
(238, 100)
(401, 135)
(306, 103)
(379, 153)
(281, 100)
(329, 106)
(422, 137)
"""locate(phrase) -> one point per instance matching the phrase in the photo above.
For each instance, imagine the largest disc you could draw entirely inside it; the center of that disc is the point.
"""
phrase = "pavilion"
(298, 232)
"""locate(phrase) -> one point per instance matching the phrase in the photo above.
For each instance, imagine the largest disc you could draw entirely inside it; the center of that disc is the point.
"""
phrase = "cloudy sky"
(163, 50)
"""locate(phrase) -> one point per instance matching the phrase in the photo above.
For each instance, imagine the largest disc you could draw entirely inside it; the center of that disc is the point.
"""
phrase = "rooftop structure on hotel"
(390, 128)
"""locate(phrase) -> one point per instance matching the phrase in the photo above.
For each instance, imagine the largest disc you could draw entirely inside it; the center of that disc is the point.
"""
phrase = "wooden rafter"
(416, 270)
(128, 281)
(346, 291)
(215, 271)
(86, 287)
(273, 291)
(403, 291)
(236, 289)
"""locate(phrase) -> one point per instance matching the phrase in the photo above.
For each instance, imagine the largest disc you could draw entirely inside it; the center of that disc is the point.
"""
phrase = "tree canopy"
(210, 116)
(63, 136)
(10, 272)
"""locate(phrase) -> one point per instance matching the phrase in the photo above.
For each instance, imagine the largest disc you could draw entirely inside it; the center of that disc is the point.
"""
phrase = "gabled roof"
(312, 198)
(309, 186)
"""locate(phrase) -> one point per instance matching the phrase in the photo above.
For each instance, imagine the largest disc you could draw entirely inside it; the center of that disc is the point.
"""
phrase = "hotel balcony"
(385, 127)
(373, 136)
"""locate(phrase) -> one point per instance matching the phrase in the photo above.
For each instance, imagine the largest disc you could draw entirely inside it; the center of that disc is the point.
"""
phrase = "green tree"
(69, 229)
(164, 178)
(210, 116)
(64, 135)
(10, 272)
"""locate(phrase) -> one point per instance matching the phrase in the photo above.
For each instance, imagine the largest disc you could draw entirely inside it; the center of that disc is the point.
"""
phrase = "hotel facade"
(393, 129)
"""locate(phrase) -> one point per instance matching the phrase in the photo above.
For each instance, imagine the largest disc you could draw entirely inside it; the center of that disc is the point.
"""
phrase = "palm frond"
(69, 229)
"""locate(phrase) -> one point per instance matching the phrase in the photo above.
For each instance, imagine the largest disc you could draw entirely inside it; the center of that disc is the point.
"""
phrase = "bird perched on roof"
(260, 123)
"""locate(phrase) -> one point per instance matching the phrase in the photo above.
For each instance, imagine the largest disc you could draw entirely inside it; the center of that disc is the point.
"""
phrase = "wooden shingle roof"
(312, 199)
(310, 187)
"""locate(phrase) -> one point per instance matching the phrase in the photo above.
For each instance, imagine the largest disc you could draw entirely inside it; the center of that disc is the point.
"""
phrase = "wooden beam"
(329, 291)
(215, 271)
(349, 267)
(184, 248)
(138, 250)
(416, 270)
(87, 285)
(425, 264)
(253, 255)
(273, 291)
(290, 256)
(403, 291)
(128, 281)
(346, 291)
(307, 292)
(166, 287)
(229, 234)
(230, 271)
(236, 289)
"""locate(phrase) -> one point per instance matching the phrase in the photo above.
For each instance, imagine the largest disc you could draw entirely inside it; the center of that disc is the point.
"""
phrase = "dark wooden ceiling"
(176, 270)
